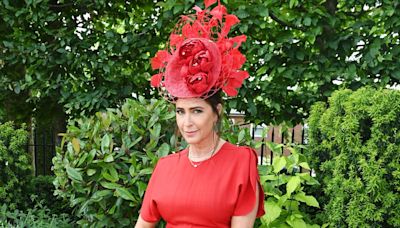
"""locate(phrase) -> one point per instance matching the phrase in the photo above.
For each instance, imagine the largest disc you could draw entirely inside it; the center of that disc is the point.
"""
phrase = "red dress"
(206, 196)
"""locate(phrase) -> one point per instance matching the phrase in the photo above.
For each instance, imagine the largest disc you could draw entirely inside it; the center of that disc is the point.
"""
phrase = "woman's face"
(195, 119)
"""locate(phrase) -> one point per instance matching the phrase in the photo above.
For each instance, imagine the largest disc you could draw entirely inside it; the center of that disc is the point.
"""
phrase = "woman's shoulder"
(171, 158)
(239, 150)
(239, 158)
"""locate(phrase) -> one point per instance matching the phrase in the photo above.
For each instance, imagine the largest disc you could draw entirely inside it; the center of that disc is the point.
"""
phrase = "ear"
(219, 108)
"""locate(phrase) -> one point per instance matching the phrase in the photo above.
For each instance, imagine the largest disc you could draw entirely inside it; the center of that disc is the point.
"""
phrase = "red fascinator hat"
(200, 58)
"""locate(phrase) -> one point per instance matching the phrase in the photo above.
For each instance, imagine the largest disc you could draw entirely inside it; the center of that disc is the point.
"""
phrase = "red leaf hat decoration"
(201, 59)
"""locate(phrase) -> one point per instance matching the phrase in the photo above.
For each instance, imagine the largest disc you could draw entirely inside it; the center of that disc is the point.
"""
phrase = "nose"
(187, 120)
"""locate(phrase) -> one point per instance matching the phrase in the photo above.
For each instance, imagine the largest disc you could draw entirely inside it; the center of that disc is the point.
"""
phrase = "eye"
(179, 111)
(197, 111)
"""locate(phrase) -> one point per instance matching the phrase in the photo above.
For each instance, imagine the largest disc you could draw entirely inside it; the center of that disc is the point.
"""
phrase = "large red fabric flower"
(194, 68)
(201, 57)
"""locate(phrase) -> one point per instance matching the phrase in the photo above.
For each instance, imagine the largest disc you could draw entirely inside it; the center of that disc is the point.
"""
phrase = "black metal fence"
(44, 145)
(297, 134)
(43, 148)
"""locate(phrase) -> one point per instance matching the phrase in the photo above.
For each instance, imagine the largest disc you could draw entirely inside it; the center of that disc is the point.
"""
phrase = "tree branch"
(331, 6)
(61, 6)
(283, 23)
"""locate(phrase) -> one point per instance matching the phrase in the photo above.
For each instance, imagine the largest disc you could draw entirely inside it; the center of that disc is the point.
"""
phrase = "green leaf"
(278, 164)
(99, 195)
(137, 140)
(125, 194)
(244, 28)
(110, 174)
(105, 144)
(132, 170)
(82, 159)
(307, 21)
(296, 222)
(90, 172)
(142, 188)
(292, 184)
(241, 135)
(178, 8)
(163, 150)
(112, 209)
(275, 147)
(150, 146)
(74, 174)
(114, 173)
(274, 211)
(262, 70)
(293, 3)
(109, 158)
(304, 165)
(110, 185)
(155, 131)
(146, 171)
(309, 200)
(91, 156)
(263, 11)
(75, 145)
(153, 119)
(8, 44)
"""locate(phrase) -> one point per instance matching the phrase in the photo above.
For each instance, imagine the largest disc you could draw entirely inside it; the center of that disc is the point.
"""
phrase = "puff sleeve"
(249, 181)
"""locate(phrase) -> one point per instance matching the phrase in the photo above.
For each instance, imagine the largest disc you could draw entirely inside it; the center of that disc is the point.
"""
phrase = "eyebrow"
(191, 108)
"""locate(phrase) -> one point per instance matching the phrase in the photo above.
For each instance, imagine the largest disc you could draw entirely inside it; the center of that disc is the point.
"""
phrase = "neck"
(204, 149)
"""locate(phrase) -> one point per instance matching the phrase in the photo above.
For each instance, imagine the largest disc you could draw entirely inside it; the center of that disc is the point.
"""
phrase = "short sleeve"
(250, 180)
(149, 211)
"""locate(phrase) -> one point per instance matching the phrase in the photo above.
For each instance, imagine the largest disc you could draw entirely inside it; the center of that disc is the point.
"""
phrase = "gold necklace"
(200, 162)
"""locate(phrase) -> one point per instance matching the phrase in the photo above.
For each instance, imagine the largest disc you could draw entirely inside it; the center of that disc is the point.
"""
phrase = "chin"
(192, 140)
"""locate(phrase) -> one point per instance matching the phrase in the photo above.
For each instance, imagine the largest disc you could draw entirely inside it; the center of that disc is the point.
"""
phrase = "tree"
(300, 51)
(85, 56)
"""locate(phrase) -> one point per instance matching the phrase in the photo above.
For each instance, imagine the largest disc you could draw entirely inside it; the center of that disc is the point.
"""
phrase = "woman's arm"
(143, 224)
(246, 221)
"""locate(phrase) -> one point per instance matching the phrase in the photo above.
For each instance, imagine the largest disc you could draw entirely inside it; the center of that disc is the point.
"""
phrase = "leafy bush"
(284, 188)
(105, 162)
(37, 217)
(15, 164)
(354, 145)
(43, 189)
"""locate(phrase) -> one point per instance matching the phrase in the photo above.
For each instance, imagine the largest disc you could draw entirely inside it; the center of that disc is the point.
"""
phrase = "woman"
(211, 183)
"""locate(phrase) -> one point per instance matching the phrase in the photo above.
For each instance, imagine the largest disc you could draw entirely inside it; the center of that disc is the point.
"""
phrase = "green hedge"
(105, 162)
(42, 189)
(354, 143)
(39, 216)
(15, 165)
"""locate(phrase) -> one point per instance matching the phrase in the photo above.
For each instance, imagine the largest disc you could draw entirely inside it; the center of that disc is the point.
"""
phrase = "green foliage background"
(15, 165)
(354, 142)
(79, 57)
(63, 59)
(104, 163)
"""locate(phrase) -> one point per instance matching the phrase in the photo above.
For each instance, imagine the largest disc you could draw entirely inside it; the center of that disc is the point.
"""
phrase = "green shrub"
(286, 199)
(43, 189)
(354, 145)
(105, 162)
(15, 164)
(284, 186)
(37, 217)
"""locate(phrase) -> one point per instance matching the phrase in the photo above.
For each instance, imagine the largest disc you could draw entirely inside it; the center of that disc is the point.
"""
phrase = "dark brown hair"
(213, 101)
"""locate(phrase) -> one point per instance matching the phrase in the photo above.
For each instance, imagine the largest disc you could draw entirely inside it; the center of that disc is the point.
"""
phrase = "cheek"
(178, 122)
(207, 123)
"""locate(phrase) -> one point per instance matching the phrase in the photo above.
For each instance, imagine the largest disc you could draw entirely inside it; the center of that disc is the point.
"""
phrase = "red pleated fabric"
(207, 196)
